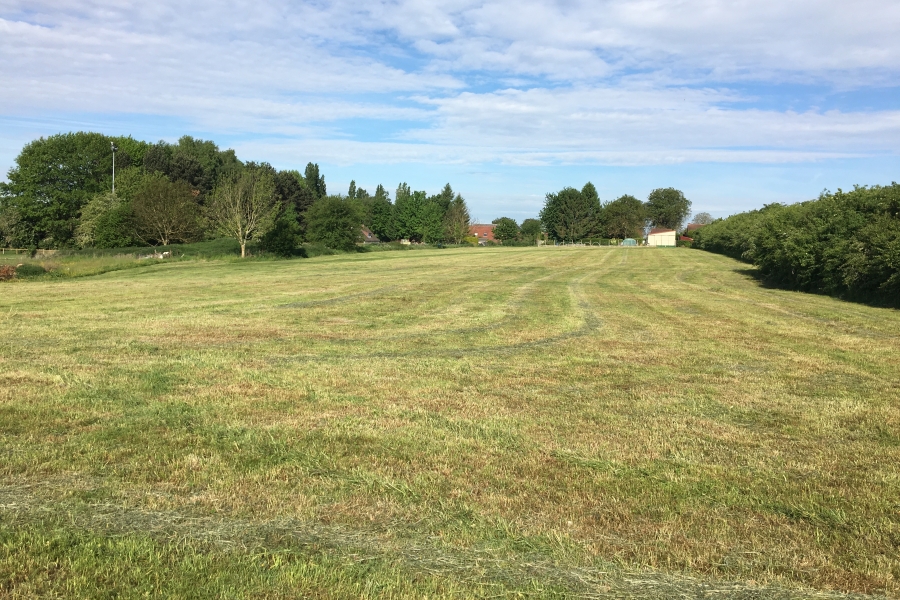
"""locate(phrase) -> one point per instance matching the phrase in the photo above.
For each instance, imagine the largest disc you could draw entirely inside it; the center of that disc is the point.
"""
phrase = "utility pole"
(114, 148)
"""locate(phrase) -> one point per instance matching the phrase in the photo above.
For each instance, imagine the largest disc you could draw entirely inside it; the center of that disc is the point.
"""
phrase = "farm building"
(484, 233)
(661, 237)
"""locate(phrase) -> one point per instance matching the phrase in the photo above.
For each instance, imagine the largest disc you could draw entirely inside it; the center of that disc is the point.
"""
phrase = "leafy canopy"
(667, 207)
(624, 217)
(505, 229)
(571, 214)
(333, 222)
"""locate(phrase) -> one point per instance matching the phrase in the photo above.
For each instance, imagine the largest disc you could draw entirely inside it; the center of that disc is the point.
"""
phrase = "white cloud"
(609, 81)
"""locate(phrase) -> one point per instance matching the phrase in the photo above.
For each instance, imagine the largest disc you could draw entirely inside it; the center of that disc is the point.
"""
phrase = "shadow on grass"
(769, 283)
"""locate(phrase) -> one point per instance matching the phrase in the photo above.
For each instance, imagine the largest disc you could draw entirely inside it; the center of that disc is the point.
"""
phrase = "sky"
(737, 103)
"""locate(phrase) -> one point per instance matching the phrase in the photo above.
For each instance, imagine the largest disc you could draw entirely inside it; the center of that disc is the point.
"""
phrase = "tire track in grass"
(497, 571)
(590, 322)
(517, 300)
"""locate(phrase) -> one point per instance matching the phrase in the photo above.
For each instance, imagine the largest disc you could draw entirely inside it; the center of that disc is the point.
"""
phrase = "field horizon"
(548, 422)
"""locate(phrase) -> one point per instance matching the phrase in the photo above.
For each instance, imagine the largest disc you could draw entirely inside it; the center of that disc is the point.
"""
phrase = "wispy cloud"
(541, 82)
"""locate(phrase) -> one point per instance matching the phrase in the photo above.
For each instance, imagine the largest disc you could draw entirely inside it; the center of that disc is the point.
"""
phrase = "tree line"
(844, 244)
(572, 215)
(60, 195)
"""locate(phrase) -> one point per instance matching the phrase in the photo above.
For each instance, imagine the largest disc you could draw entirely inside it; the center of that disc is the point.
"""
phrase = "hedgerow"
(844, 244)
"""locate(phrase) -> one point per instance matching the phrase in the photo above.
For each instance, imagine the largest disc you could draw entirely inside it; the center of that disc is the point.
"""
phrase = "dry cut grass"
(593, 422)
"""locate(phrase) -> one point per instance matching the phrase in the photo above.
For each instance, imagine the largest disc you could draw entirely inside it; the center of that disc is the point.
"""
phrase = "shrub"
(845, 244)
(29, 270)
(115, 229)
(334, 222)
(284, 238)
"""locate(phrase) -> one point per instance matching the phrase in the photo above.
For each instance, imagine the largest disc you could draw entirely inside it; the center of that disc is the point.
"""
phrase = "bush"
(284, 238)
(115, 229)
(29, 270)
(845, 244)
(334, 222)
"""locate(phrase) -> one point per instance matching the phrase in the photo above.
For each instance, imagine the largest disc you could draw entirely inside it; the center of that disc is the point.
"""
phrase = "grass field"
(594, 422)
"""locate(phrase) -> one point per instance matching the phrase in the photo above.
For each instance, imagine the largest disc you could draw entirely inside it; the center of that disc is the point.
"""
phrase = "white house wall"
(661, 239)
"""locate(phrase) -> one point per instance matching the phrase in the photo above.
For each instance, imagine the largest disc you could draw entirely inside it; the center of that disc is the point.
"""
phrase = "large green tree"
(106, 222)
(667, 207)
(199, 163)
(158, 157)
(531, 229)
(291, 189)
(115, 228)
(571, 214)
(285, 237)
(53, 179)
(624, 217)
(293, 193)
(505, 229)
(443, 198)
(382, 222)
(334, 222)
(457, 220)
(166, 211)
(432, 216)
(408, 206)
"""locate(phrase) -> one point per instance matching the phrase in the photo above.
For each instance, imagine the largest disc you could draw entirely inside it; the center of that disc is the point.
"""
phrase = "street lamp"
(114, 148)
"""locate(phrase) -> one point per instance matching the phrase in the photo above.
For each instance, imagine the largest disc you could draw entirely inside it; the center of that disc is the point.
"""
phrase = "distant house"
(684, 238)
(695, 226)
(659, 237)
(368, 236)
(484, 233)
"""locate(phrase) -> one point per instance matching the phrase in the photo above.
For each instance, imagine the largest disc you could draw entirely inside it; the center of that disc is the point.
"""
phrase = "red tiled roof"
(693, 226)
(482, 232)
(660, 230)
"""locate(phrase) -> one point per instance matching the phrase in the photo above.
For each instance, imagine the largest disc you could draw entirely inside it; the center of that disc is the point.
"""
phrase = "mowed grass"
(471, 422)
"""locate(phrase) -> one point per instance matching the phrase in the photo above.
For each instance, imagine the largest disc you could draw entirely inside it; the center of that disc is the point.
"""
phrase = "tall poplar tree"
(314, 180)
(382, 223)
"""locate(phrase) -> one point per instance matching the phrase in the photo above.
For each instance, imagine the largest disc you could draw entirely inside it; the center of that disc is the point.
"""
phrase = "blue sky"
(737, 103)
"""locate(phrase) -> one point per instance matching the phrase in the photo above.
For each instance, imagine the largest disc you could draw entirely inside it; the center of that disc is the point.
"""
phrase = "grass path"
(590, 422)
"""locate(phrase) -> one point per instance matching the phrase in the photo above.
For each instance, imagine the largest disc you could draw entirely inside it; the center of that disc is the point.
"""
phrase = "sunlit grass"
(453, 422)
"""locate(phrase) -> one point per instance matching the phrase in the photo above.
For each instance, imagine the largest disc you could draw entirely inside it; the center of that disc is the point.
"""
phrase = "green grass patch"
(461, 422)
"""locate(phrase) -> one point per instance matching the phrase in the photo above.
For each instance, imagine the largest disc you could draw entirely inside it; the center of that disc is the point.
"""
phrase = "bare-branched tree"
(166, 212)
(244, 206)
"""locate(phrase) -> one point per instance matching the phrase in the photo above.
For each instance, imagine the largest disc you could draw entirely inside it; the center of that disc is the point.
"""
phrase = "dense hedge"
(845, 244)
